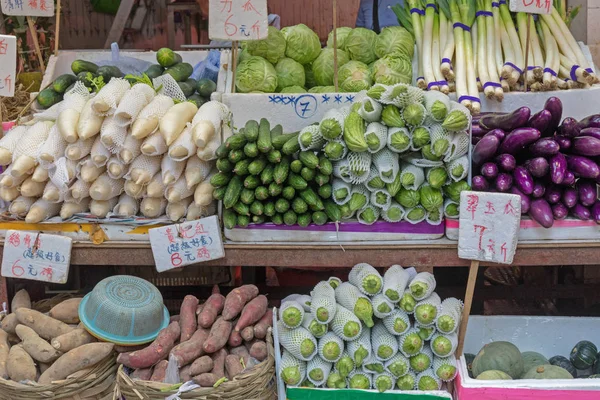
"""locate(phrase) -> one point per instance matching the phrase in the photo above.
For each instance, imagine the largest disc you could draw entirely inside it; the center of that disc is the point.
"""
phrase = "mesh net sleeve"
(157, 108)
(127, 206)
(413, 146)
(397, 95)
(52, 149)
(133, 102)
(154, 145)
(359, 165)
(439, 134)
(448, 312)
(62, 175)
(108, 98)
(417, 172)
(448, 202)
(394, 213)
(435, 217)
(363, 342)
(455, 106)
(309, 319)
(459, 146)
(445, 368)
(381, 199)
(105, 188)
(196, 171)
(196, 211)
(11, 138)
(386, 162)
(100, 154)
(373, 181)
(136, 191)
(381, 337)
(291, 305)
(396, 319)
(386, 378)
(171, 170)
(131, 149)
(78, 191)
(380, 301)
(393, 140)
(317, 140)
(332, 124)
(209, 152)
(398, 365)
(289, 361)
(178, 190)
(41, 210)
(426, 307)
(167, 86)
(293, 339)
(395, 280)
(115, 168)
(183, 147)
(341, 169)
(412, 219)
(347, 295)
(378, 133)
(153, 207)
(342, 317)
(49, 114)
(362, 271)
(30, 142)
(460, 165)
(416, 160)
(344, 151)
(75, 99)
(375, 211)
(80, 149)
(143, 168)
(323, 298)
(20, 206)
(422, 285)
(330, 337)
(113, 134)
(375, 110)
(410, 343)
(320, 364)
(434, 97)
(367, 376)
(53, 194)
(449, 346)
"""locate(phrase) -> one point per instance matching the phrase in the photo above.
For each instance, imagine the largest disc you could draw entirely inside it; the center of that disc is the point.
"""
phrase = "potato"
(4, 350)
(233, 366)
(75, 360)
(45, 326)
(21, 299)
(67, 311)
(9, 323)
(72, 340)
(20, 365)
(35, 346)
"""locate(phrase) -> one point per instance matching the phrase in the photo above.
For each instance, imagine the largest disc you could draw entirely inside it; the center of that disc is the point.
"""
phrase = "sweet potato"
(72, 340)
(4, 350)
(237, 299)
(186, 352)
(160, 370)
(174, 318)
(252, 312)
(216, 289)
(77, 359)
(199, 309)
(241, 352)
(21, 299)
(187, 317)
(235, 338)
(35, 346)
(184, 374)
(219, 363)
(20, 365)
(261, 328)
(67, 311)
(212, 308)
(219, 334)
(43, 367)
(142, 374)
(201, 366)
(233, 366)
(206, 380)
(158, 350)
(259, 351)
(9, 323)
(45, 326)
(248, 333)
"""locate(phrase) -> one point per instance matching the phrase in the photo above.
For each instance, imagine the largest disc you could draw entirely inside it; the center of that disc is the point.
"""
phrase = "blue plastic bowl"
(124, 310)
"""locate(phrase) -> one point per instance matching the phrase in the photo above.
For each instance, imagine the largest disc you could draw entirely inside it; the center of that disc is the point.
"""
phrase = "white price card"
(238, 20)
(531, 6)
(36, 256)
(8, 65)
(192, 242)
(489, 226)
(30, 8)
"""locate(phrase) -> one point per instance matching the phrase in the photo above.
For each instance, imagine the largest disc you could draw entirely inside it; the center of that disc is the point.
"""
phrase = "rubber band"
(532, 67)
(478, 80)
(417, 10)
(550, 71)
(431, 5)
(495, 4)
(431, 84)
(492, 84)
(502, 1)
(589, 70)
(484, 14)
(574, 72)
(514, 67)
(471, 98)
(446, 60)
(461, 25)
(420, 78)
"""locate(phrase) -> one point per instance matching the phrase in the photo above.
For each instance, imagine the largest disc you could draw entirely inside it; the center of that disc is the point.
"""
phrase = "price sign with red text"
(531, 6)
(192, 242)
(238, 19)
(489, 226)
(31, 8)
(8, 65)
(36, 256)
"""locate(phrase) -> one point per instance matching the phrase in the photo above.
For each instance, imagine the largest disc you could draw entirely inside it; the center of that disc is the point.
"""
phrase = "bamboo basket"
(256, 384)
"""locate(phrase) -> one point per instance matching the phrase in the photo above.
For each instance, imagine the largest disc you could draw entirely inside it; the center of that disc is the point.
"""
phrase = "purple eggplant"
(591, 132)
(525, 201)
(569, 128)
(518, 139)
(489, 170)
(544, 147)
(540, 121)
(541, 213)
(507, 122)
(593, 121)
(586, 146)
(596, 212)
(588, 193)
(485, 149)
(569, 179)
(558, 168)
(554, 105)
(506, 162)
(480, 184)
(538, 190)
(478, 130)
(583, 167)
(538, 166)
(523, 180)
(503, 182)
(569, 197)
(499, 133)
(563, 142)
(553, 194)
(560, 211)
(581, 212)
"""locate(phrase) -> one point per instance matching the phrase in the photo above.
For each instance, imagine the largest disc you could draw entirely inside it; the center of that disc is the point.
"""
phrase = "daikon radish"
(127, 206)
(42, 210)
(107, 100)
(177, 210)
(100, 154)
(80, 190)
(203, 193)
(115, 168)
(174, 121)
(7, 180)
(171, 170)
(8, 194)
(70, 208)
(105, 188)
(132, 103)
(154, 145)
(178, 191)
(184, 147)
(209, 152)
(88, 171)
(52, 193)
(101, 208)
(53, 148)
(131, 149)
(113, 134)
(152, 207)
(89, 123)
(134, 190)
(31, 188)
(147, 121)
(143, 168)
(196, 171)
(156, 188)
(78, 150)
(40, 174)
(206, 124)
(70, 112)
(21, 205)
(24, 156)
(9, 141)
(195, 211)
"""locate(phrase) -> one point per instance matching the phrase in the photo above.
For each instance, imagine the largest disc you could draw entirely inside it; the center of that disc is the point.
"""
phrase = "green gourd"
(500, 356)
(547, 372)
(532, 359)
(493, 375)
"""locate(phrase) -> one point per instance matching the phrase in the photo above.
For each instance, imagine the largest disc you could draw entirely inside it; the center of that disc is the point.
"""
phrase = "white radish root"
(21, 205)
(105, 188)
(40, 174)
(70, 208)
(155, 188)
(176, 211)
(154, 145)
(171, 170)
(42, 210)
(31, 188)
(174, 121)
(101, 208)
(127, 206)
(89, 123)
(67, 124)
(152, 207)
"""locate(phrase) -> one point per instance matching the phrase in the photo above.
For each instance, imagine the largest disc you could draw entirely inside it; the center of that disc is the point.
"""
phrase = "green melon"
(547, 372)
(493, 375)
(532, 359)
(499, 356)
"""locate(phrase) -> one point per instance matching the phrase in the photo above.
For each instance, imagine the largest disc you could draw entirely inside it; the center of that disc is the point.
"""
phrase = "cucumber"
(154, 71)
(241, 167)
(251, 182)
(304, 220)
(247, 196)
(197, 100)
(236, 156)
(61, 83)
(167, 57)
(257, 166)
(48, 97)
(206, 87)
(193, 83)
(224, 165)
(219, 193)
(250, 150)
(290, 218)
(325, 191)
(276, 131)
(288, 193)
(234, 189)
(269, 209)
(319, 218)
(325, 166)
(308, 174)
(309, 159)
(258, 219)
(275, 189)
(220, 179)
(282, 205)
(222, 151)
(229, 219)
(291, 146)
(78, 66)
(310, 197)
(264, 136)
(321, 179)
(297, 182)
(181, 72)
(281, 171)
(251, 131)
(274, 156)
(241, 208)
(333, 211)
(261, 193)
(299, 206)
(235, 142)
(296, 167)
(187, 89)
(279, 141)
(243, 221)
(257, 208)
(266, 176)
(108, 72)
(277, 219)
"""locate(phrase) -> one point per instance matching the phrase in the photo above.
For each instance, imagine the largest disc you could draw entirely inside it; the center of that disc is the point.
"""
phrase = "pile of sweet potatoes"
(209, 342)
(46, 348)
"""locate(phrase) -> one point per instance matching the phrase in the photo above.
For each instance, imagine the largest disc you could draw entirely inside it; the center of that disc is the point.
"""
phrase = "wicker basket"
(256, 384)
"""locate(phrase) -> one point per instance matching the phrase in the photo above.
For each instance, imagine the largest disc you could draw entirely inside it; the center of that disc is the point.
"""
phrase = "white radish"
(112, 134)
(143, 168)
(26, 150)
(31, 188)
(131, 149)
(42, 210)
(70, 208)
(174, 121)
(209, 152)
(8, 143)
(206, 124)
(115, 168)
(67, 124)
(178, 191)
(127, 206)
(100, 154)
(8, 194)
(177, 210)
(195, 211)
(152, 207)
(88, 171)
(80, 149)
(52, 193)
(156, 187)
(147, 120)
(80, 190)
(132, 103)
(105, 188)
(101, 208)
(40, 174)
(154, 145)
(134, 190)
(53, 148)
(203, 195)
(183, 148)
(196, 171)
(89, 123)
(7, 180)
(107, 100)
(21, 205)
(171, 170)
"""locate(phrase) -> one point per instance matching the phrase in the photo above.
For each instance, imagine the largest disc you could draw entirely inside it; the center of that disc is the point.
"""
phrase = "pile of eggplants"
(552, 165)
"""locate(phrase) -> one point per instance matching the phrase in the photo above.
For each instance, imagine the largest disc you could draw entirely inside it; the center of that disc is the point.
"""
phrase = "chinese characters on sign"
(8, 65)
(31, 8)
(531, 6)
(237, 19)
(192, 242)
(489, 226)
(36, 256)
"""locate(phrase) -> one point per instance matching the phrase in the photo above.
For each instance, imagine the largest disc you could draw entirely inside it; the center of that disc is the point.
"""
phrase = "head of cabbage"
(289, 73)
(323, 66)
(309, 76)
(342, 35)
(272, 48)
(360, 45)
(256, 74)
(394, 40)
(354, 76)
(392, 69)
(302, 43)
(293, 89)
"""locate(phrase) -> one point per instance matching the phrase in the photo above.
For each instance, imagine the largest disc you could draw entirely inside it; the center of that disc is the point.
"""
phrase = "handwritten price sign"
(489, 226)
(8, 65)
(31, 8)
(238, 20)
(531, 6)
(176, 246)
(36, 256)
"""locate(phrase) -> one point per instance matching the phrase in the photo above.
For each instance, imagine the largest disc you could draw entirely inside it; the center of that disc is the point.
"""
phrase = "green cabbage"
(392, 69)
(437, 177)
(453, 190)
(272, 48)
(431, 198)
(354, 76)
(394, 40)
(256, 74)
(309, 76)
(322, 89)
(360, 45)
(293, 89)
(323, 66)
(342, 35)
(408, 198)
(420, 137)
(289, 73)
(244, 55)
(303, 44)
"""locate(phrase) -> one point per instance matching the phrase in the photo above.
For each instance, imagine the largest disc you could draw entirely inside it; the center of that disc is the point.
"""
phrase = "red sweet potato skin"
(252, 312)
(235, 339)
(160, 371)
(219, 363)
(241, 352)
(233, 366)
(158, 350)
(262, 326)
(187, 317)
(143, 374)
(219, 334)
(206, 380)
(237, 299)
(212, 308)
(259, 351)
(186, 352)
(247, 333)
(201, 366)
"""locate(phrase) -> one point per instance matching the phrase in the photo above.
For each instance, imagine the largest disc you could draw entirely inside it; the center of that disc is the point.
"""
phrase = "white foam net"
(376, 136)
(445, 368)
(196, 171)
(183, 147)
(113, 134)
(380, 303)
(293, 339)
(136, 191)
(213, 112)
(423, 278)
(317, 363)
(344, 151)
(153, 207)
(196, 211)
(101, 208)
(105, 187)
(132, 103)
(99, 153)
(11, 138)
(127, 206)
(157, 108)
(131, 149)
(209, 152)
(417, 172)
(115, 168)
(381, 199)
(397, 322)
(398, 365)
(435, 347)
(48, 209)
(289, 361)
(78, 191)
(21, 205)
(370, 110)
(418, 161)
(317, 141)
(459, 146)
(177, 210)
(89, 123)
(143, 168)
(75, 99)
(432, 300)
(178, 191)
(397, 95)
(361, 271)
(456, 166)
(414, 220)
(359, 165)
(30, 142)
(399, 140)
(414, 147)
(330, 337)
(80, 149)
(63, 174)
(154, 145)
(108, 98)
(50, 114)
(52, 149)
(342, 317)
(332, 124)
(294, 305)
(167, 86)
(394, 213)
(171, 170)
(387, 164)
(435, 217)
(380, 337)
(339, 188)
(432, 97)
(53, 194)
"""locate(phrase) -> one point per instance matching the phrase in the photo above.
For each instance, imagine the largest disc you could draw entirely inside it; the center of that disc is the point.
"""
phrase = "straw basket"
(256, 384)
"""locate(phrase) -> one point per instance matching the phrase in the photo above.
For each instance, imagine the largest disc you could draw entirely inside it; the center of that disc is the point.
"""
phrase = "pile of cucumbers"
(264, 177)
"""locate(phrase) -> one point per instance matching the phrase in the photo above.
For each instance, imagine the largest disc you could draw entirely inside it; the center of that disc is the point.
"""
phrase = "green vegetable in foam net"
(336, 381)
(407, 302)
(420, 137)
(428, 154)
(384, 382)
(390, 116)
(359, 381)
(345, 365)
(376, 91)
(407, 382)
(414, 114)
(408, 198)
(437, 177)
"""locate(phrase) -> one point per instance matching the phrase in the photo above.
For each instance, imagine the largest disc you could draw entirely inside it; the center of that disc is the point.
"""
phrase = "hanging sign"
(489, 226)
(233, 20)
(193, 242)
(36, 256)
(30, 8)
(8, 65)
(531, 6)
